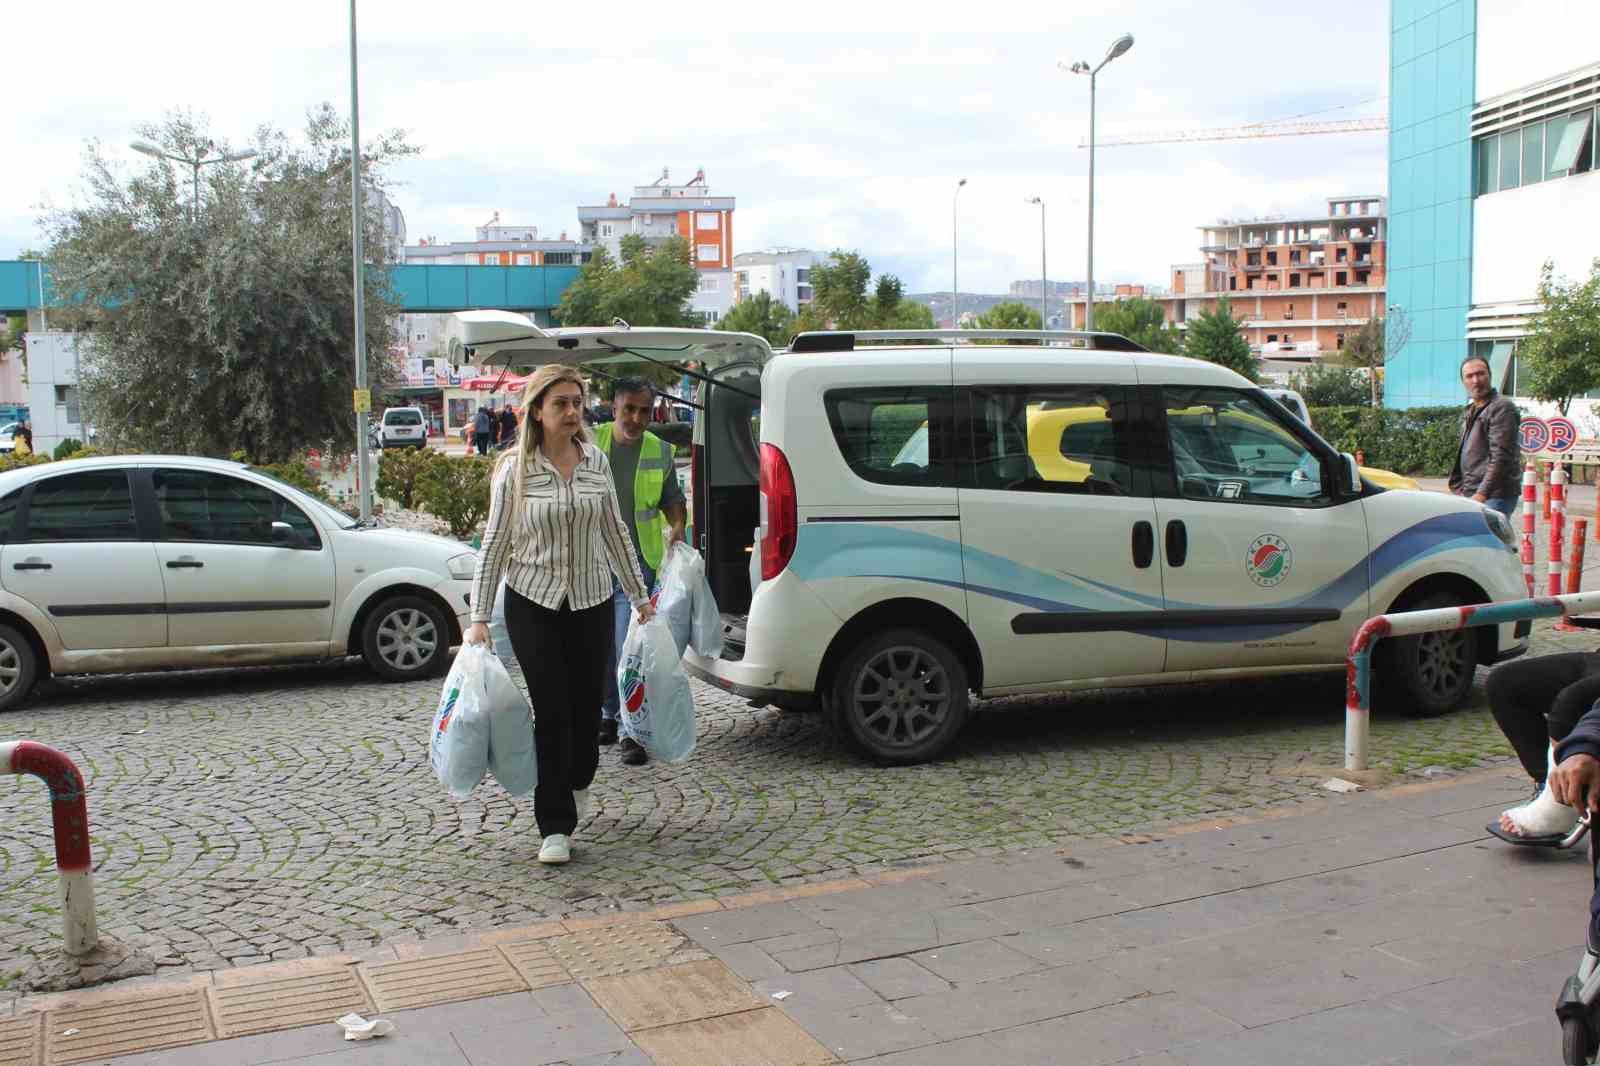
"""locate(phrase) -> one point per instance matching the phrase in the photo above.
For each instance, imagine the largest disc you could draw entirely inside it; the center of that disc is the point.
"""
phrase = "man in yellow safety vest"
(654, 509)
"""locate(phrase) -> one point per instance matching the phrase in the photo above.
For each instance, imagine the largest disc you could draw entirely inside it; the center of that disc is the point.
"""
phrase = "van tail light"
(780, 527)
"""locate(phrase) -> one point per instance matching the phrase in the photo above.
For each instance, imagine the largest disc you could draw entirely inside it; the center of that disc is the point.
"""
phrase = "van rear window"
(893, 436)
(402, 418)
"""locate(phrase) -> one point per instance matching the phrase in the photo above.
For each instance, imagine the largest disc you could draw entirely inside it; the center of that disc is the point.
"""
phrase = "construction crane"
(1259, 129)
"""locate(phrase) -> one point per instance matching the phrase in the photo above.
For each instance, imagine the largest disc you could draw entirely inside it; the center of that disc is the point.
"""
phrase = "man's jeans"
(611, 708)
(1505, 504)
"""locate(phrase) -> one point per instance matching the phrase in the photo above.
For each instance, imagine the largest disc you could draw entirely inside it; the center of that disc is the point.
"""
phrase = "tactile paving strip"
(616, 949)
(148, 1023)
(441, 979)
(534, 961)
(245, 1008)
(765, 1037)
(19, 1040)
(675, 994)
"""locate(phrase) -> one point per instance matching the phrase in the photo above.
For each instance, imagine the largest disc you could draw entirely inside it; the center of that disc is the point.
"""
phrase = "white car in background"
(403, 427)
(8, 440)
(135, 563)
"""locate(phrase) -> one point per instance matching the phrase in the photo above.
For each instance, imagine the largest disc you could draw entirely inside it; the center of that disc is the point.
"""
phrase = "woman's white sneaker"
(555, 850)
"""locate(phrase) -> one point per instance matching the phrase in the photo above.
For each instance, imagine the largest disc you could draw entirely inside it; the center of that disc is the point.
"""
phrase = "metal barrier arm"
(69, 810)
(1358, 666)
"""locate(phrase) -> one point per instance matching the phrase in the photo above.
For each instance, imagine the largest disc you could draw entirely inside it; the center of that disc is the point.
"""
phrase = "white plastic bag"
(686, 603)
(458, 748)
(657, 705)
(511, 752)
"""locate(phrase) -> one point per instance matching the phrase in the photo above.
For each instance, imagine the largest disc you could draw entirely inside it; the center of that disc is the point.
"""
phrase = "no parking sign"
(1533, 434)
(1563, 435)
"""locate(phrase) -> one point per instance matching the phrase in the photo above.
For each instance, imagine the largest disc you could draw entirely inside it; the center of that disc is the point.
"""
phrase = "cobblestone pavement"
(268, 814)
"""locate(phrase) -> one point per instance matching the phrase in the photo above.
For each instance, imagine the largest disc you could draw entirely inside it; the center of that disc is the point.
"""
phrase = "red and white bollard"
(69, 810)
(1530, 503)
(1558, 521)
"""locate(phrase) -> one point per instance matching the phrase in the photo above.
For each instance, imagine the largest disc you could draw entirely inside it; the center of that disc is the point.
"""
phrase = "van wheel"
(406, 638)
(1430, 673)
(19, 668)
(901, 696)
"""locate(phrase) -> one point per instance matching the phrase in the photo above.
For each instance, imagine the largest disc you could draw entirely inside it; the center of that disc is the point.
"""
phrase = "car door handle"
(31, 564)
(1144, 544)
(1177, 542)
(185, 564)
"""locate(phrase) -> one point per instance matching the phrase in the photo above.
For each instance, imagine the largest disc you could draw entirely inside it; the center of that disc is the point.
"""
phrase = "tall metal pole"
(1044, 276)
(1088, 304)
(955, 236)
(364, 475)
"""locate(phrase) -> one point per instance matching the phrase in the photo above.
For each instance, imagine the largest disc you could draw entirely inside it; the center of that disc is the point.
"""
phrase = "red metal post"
(69, 810)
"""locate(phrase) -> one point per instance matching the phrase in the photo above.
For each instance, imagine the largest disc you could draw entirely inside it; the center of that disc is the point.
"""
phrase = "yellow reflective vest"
(649, 480)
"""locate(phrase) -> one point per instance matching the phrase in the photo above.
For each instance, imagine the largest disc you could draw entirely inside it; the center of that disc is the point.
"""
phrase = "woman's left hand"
(647, 611)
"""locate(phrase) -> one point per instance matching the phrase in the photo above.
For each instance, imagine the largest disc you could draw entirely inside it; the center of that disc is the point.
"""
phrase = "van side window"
(894, 436)
(1075, 439)
(1231, 446)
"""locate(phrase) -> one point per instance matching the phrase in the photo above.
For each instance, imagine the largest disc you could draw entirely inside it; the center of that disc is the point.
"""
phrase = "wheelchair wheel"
(1575, 1044)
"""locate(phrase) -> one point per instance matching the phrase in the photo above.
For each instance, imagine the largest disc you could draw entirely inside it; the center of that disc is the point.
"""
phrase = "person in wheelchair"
(1537, 703)
(1575, 782)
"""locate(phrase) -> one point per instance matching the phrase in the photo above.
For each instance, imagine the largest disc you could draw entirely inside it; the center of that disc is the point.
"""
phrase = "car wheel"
(19, 668)
(1430, 673)
(901, 696)
(406, 638)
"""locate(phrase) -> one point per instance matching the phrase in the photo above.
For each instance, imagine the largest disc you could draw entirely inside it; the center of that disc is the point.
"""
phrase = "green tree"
(839, 290)
(650, 287)
(762, 315)
(1011, 314)
(1216, 337)
(1373, 345)
(1331, 386)
(1560, 358)
(1141, 321)
(455, 489)
(230, 327)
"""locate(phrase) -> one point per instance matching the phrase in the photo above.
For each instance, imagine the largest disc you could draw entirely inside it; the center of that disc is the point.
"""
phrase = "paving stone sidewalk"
(1382, 927)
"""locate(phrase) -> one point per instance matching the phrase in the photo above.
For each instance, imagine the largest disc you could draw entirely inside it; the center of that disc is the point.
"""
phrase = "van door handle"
(1177, 542)
(31, 564)
(1144, 544)
(185, 564)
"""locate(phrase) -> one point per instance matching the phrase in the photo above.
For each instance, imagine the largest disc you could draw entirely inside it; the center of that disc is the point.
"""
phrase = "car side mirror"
(282, 533)
(1350, 480)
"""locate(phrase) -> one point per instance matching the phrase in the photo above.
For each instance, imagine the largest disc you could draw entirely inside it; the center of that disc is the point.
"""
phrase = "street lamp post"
(356, 256)
(955, 287)
(1044, 271)
(1118, 47)
(197, 161)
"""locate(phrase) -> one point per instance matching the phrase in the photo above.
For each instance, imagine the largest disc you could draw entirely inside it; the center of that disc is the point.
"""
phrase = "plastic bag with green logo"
(657, 705)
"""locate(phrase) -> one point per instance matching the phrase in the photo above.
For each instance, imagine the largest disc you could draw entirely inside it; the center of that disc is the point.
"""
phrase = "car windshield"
(333, 514)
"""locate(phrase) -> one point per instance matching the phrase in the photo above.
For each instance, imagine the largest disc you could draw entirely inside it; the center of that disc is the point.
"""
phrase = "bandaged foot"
(1544, 816)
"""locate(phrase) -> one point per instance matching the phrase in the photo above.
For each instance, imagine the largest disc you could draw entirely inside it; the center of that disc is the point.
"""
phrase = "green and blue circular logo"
(1268, 561)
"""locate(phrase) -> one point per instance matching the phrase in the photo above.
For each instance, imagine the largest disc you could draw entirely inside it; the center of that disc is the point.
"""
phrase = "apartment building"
(661, 210)
(1494, 170)
(784, 273)
(1302, 286)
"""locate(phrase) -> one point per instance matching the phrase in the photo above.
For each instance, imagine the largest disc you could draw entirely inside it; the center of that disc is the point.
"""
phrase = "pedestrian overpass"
(421, 288)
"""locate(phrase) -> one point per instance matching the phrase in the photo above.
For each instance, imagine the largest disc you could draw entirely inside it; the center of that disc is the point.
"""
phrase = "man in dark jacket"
(482, 430)
(508, 426)
(1488, 465)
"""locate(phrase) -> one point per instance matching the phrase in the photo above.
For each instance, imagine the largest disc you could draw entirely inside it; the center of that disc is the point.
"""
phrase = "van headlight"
(463, 566)
(1500, 527)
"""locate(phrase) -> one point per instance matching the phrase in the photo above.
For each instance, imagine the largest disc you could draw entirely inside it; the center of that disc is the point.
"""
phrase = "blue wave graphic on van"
(866, 550)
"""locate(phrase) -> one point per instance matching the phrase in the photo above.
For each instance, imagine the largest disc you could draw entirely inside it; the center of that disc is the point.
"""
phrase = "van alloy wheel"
(901, 695)
(1441, 660)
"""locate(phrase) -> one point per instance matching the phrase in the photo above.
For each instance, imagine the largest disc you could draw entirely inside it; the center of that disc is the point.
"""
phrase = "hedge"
(1416, 440)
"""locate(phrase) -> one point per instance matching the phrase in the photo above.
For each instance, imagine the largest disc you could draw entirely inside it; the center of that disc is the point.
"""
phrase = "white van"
(922, 520)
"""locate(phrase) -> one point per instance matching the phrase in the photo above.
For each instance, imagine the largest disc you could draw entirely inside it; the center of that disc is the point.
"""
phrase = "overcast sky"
(836, 125)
